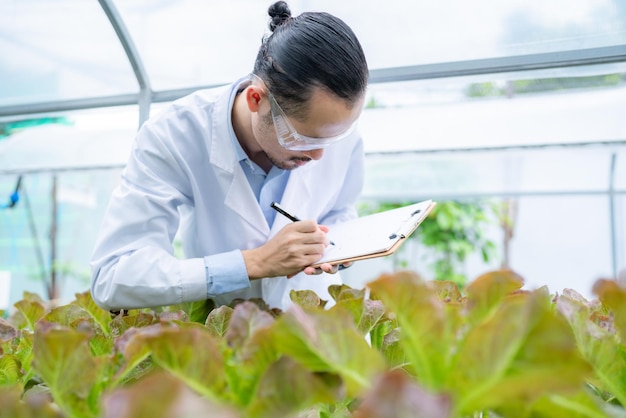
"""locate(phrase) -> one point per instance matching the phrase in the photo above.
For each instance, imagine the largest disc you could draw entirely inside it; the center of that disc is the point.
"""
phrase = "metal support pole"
(612, 225)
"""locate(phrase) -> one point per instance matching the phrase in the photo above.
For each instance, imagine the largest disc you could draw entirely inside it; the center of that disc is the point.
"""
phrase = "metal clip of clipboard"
(406, 227)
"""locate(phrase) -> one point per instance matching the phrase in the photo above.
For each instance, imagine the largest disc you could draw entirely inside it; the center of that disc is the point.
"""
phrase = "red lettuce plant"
(412, 348)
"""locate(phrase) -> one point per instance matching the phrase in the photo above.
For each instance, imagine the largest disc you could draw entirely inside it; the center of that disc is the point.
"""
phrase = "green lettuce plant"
(403, 347)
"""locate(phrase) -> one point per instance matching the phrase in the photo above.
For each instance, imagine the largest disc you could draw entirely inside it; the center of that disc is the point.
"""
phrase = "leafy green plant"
(413, 348)
(454, 231)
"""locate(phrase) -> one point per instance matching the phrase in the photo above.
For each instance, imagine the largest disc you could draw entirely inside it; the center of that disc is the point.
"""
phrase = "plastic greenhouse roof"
(565, 118)
(67, 50)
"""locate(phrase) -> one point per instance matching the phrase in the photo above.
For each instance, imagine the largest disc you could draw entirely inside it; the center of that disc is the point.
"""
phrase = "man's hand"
(290, 251)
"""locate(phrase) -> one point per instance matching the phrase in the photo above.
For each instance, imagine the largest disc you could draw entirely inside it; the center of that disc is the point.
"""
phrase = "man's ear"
(254, 97)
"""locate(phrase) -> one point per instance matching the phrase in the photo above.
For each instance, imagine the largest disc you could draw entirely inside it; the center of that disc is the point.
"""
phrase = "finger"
(325, 268)
(316, 238)
(314, 250)
(305, 226)
(330, 268)
(312, 271)
(325, 229)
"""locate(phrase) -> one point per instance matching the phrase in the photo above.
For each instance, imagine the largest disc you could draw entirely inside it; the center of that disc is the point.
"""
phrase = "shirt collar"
(238, 87)
(241, 155)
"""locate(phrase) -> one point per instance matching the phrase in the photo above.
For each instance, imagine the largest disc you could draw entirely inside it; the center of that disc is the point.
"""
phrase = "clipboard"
(376, 235)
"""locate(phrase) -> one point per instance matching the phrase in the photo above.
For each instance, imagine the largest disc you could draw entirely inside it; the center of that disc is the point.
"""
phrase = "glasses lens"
(300, 143)
(284, 131)
(290, 139)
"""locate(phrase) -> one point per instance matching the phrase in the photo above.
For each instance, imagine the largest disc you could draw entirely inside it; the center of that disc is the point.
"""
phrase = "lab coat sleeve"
(226, 272)
(133, 264)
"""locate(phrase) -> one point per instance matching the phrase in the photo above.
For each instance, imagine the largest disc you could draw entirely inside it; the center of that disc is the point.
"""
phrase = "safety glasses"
(287, 135)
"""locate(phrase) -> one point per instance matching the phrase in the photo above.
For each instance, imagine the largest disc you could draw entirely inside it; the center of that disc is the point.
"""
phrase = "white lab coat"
(183, 172)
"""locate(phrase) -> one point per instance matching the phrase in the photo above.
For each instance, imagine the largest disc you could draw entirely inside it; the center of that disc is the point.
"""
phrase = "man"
(212, 163)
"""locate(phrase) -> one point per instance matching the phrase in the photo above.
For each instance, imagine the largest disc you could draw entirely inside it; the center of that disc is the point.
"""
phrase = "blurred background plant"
(453, 231)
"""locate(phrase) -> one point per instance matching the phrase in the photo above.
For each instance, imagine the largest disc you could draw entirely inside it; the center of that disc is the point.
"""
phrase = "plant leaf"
(350, 300)
(425, 333)
(37, 400)
(366, 312)
(334, 290)
(101, 345)
(218, 320)
(32, 310)
(9, 370)
(327, 341)
(134, 348)
(487, 291)
(7, 331)
(575, 405)
(448, 291)
(66, 314)
(173, 316)
(196, 311)
(24, 353)
(306, 298)
(10, 396)
(167, 397)
(102, 317)
(288, 387)
(373, 312)
(392, 350)
(246, 319)
(253, 350)
(395, 394)
(598, 346)
(63, 359)
(193, 356)
(122, 323)
(613, 297)
(32, 297)
(520, 353)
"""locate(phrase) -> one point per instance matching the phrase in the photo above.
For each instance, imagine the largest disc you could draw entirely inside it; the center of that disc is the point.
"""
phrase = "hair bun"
(279, 13)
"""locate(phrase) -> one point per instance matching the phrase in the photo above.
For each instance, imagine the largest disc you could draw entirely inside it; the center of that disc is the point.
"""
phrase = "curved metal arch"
(144, 99)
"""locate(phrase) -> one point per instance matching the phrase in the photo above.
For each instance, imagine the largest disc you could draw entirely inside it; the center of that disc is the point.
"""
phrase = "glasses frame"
(288, 136)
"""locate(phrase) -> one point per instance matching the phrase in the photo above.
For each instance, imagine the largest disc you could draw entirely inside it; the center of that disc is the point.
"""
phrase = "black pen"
(288, 215)
(283, 212)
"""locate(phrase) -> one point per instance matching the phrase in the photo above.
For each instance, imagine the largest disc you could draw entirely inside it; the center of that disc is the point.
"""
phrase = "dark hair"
(314, 49)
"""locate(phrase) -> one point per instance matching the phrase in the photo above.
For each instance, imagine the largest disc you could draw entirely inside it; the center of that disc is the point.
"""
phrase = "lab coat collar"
(239, 196)
(222, 153)
(223, 156)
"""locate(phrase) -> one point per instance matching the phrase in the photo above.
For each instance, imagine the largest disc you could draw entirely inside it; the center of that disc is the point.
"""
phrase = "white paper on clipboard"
(375, 235)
